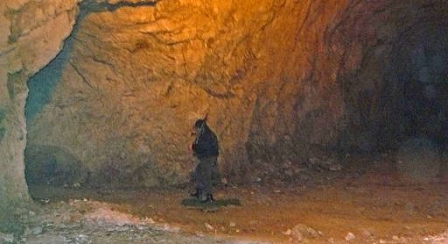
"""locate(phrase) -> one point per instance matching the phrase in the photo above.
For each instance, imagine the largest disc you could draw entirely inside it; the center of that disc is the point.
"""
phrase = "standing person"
(206, 150)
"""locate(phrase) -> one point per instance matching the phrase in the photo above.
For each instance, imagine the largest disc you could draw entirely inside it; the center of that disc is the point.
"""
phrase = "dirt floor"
(369, 203)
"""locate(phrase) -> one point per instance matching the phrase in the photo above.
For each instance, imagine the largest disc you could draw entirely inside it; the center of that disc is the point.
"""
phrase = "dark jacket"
(206, 145)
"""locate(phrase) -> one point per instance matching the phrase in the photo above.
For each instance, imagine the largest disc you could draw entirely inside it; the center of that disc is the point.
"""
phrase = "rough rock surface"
(27, 43)
(133, 81)
(279, 80)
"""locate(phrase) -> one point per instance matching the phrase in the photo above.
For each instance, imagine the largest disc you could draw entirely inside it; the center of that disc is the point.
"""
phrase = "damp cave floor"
(376, 206)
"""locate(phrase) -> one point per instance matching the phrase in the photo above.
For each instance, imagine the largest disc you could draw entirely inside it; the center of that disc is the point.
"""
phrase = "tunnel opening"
(419, 120)
(399, 92)
(420, 62)
(49, 164)
(395, 99)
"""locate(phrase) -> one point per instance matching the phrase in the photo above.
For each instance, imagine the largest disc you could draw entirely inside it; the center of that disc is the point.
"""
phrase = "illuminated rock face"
(279, 80)
(135, 79)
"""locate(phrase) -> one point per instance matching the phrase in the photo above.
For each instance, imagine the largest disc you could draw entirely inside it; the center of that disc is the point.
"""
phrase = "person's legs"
(195, 177)
(215, 175)
(204, 178)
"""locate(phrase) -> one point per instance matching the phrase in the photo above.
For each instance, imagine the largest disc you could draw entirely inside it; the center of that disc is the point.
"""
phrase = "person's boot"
(207, 199)
(211, 197)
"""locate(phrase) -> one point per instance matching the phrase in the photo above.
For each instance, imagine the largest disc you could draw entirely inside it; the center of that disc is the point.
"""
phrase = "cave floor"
(362, 205)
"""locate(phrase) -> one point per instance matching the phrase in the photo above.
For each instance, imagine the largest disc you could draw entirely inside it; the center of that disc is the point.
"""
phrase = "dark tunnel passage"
(408, 97)
(421, 71)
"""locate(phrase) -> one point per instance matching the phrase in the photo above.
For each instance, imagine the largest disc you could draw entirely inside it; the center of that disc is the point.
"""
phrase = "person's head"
(199, 126)
(199, 123)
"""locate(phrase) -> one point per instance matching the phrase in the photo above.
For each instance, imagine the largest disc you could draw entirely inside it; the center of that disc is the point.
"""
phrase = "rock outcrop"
(29, 41)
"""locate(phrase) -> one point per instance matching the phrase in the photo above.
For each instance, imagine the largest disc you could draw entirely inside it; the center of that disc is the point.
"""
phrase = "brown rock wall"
(278, 80)
(136, 79)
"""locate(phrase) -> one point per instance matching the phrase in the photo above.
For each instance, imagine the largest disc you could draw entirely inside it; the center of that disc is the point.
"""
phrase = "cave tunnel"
(422, 68)
(302, 95)
(407, 96)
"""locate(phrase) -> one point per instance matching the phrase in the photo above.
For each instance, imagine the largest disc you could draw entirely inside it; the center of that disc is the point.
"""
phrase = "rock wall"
(27, 43)
(279, 81)
(136, 78)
